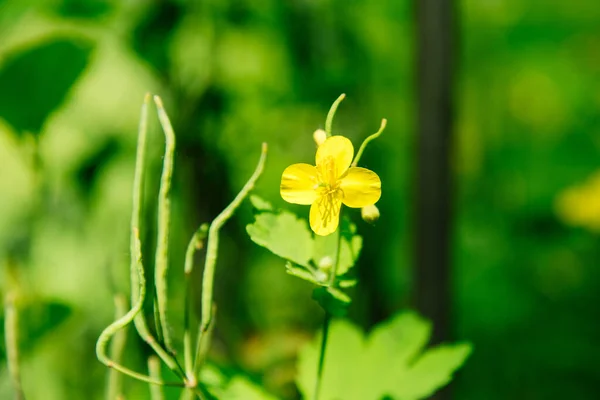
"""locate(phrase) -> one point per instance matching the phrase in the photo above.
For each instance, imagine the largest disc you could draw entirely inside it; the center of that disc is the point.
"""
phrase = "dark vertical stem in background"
(435, 32)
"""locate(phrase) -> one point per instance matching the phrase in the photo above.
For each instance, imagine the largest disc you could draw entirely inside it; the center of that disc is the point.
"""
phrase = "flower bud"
(321, 276)
(370, 213)
(325, 263)
(319, 136)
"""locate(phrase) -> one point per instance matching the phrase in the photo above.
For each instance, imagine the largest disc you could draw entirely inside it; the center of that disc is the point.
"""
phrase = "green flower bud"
(319, 136)
(370, 213)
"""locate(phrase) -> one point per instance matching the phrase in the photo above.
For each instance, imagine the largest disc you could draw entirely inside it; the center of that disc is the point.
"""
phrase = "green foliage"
(238, 387)
(289, 237)
(310, 257)
(45, 74)
(282, 233)
(392, 361)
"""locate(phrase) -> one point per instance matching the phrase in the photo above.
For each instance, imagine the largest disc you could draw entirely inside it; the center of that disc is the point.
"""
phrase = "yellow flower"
(332, 182)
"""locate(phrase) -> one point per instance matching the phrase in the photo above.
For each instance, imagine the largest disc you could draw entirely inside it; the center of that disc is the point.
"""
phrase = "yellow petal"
(325, 215)
(336, 152)
(298, 184)
(361, 187)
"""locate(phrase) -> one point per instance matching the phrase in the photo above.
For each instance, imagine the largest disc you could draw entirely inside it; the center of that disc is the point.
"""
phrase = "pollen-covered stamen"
(329, 190)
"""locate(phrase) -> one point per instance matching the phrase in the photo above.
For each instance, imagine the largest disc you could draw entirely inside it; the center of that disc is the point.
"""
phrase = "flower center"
(328, 189)
(329, 183)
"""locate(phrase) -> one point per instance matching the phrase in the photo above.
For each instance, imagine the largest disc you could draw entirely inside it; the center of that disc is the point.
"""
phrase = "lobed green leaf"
(391, 362)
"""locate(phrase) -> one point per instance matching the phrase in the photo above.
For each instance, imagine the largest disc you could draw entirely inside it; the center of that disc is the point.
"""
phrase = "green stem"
(156, 392)
(213, 246)
(117, 347)
(11, 332)
(164, 213)
(203, 344)
(122, 322)
(367, 140)
(331, 114)
(196, 243)
(326, 322)
(338, 251)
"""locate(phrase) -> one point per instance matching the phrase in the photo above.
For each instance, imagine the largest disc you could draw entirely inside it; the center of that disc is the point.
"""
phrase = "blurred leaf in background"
(34, 82)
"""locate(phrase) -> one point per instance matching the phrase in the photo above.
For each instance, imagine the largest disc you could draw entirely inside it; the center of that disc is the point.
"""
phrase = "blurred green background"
(235, 73)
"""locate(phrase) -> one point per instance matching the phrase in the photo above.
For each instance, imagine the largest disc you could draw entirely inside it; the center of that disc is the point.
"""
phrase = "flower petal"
(339, 149)
(298, 184)
(325, 215)
(361, 187)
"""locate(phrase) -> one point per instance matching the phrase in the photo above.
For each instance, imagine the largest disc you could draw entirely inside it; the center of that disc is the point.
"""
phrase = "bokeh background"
(525, 278)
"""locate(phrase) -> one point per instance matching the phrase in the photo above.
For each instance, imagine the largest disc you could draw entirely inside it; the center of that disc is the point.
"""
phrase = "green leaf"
(332, 300)
(35, 82)
(391, 362)
(240, 388)
(431, 371)
(289, 237)
(343, 364)
(284, 235)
